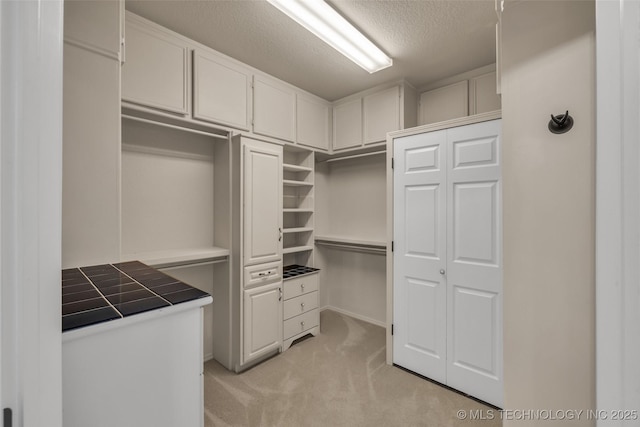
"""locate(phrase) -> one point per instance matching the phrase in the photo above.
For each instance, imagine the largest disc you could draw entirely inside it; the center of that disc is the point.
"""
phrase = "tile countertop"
(100, 293)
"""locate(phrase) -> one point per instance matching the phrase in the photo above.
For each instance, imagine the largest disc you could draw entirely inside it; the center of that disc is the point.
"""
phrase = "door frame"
(617, 206)
(30, 212)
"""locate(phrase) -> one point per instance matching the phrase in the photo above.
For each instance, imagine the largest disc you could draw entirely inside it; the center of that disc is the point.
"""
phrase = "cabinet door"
(445, 103)
(156, 71)
(221, 91)
(347, 125)
(274, 109)
(483, 96)
(381, 114)
(262, 321)
(312, 121)
(262, 202)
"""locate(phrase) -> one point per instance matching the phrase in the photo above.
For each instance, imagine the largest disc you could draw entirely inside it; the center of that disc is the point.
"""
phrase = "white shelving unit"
(298, 206)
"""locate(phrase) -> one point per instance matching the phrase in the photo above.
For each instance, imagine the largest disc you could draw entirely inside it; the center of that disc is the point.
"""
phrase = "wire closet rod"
(186, 129)
(355, 156)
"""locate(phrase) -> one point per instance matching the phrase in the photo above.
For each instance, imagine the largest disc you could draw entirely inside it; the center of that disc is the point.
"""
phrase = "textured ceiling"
(428, 39)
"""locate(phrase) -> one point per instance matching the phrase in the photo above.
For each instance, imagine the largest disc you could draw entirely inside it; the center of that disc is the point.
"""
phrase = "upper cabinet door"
(347, 124)
(156, 71)
(381, 114)
(312, 120)
(274, 109)
(445, 103)
(262, 164)
(221, 91)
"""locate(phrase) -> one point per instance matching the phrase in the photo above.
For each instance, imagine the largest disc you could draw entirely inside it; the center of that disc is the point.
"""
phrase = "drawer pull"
(302, 324)
(302, 286)
(268, 273)
(302, 305)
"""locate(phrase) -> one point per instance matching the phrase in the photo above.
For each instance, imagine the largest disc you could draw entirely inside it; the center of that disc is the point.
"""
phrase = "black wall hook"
(561, 123)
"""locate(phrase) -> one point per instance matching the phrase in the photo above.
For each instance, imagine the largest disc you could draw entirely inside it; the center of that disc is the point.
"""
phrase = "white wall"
(549, 67)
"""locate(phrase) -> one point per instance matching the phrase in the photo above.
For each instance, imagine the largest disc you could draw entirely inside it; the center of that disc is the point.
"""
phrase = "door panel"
(262, 202)
(474, 222)
(262, 321)
(420, 236)
(474, 266)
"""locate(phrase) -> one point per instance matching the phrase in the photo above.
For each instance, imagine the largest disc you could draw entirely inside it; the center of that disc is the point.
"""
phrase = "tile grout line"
(101, 294)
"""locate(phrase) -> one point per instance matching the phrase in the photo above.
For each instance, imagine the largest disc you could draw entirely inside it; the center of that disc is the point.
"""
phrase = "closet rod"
(358, 248)
(186, 129)
(355, 156)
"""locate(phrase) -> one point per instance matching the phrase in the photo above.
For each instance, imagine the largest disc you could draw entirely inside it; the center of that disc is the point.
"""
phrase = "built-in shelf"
(296, 249)
(175, 257)
(298, 230)
(295, 168)
(297, 210)
(293, 183)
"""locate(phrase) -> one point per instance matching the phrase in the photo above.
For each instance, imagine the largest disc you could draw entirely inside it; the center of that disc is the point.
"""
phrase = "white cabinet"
(156, 71)
(367, 117)
(347, 124)
(312, 122)
(381, 114)
(262, 321)
(221, 91)
(274, 108)
(262, 195)
(301, 316)
(445, 103)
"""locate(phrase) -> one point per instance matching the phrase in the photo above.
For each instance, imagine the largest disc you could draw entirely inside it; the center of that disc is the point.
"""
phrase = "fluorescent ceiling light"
(323, 21)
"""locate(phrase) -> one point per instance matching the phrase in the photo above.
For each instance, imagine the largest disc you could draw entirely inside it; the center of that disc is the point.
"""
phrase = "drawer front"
(299, 305)
(262, 274)
(301, 323)
(300, 286)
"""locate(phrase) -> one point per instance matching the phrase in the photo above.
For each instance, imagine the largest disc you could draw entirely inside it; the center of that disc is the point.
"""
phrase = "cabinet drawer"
(262, 274)
(302, 304)
(301, 323)
(300, 286)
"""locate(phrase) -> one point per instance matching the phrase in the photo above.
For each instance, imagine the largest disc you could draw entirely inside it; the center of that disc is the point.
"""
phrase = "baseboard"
(354, 315)
(207, 357)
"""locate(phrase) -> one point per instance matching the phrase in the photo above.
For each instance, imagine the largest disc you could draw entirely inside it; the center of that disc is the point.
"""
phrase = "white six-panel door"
(448, 258)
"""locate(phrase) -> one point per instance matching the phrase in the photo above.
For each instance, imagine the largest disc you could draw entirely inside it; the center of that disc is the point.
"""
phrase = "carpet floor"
(338, 378)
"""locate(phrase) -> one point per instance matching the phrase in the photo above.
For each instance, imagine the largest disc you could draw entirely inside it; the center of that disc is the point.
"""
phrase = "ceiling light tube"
(327, 24)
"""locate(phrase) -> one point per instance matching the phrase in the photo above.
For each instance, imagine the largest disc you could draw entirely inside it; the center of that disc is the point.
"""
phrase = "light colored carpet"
(338, 378)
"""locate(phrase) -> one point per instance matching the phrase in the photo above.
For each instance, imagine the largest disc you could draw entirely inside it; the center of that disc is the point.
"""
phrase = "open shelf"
(174, 257)
(297, 210)
(296, 249)
(298, 230)
(292, 183)
(287, 167)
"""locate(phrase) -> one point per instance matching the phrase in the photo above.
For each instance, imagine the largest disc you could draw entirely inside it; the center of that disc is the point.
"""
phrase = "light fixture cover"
(327, 24)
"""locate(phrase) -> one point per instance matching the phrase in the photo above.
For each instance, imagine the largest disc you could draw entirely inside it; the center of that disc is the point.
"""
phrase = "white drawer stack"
(301, 316)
